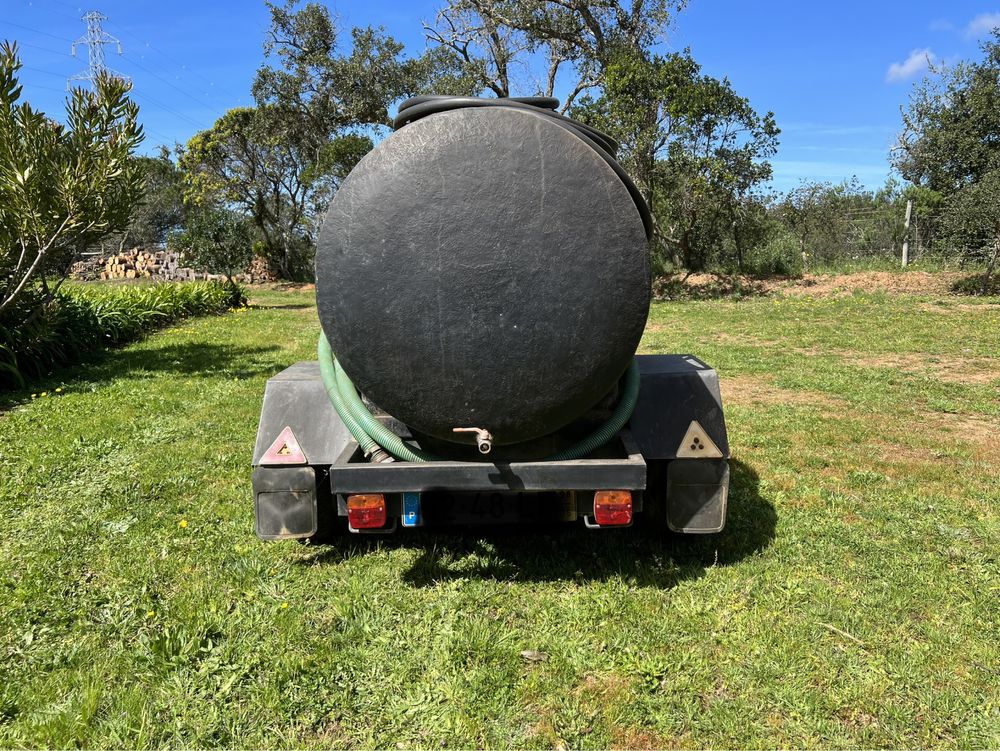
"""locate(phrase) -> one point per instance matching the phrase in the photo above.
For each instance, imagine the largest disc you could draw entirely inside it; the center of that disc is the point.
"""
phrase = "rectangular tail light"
(613, 508)
(366, 511)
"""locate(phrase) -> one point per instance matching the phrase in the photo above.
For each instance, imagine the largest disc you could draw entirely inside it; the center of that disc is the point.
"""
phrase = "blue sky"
(834, 73)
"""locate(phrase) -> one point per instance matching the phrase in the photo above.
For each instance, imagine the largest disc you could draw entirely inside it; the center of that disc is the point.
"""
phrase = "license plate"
(498, 508)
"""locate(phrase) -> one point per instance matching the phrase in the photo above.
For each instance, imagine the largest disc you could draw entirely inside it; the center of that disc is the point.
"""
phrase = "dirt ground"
(827, 285)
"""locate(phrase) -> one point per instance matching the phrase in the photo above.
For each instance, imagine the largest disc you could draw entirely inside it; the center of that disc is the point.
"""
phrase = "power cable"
(168, 83)
(43, 49)
(168, 110)
(39, 31)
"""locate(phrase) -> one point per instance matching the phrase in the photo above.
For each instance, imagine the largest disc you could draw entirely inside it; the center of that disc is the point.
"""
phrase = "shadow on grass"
(642, 557)
(196, 359)
(982, 285)
(284, 306)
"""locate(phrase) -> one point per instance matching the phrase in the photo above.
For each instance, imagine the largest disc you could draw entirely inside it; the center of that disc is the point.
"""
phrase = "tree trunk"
(991, 267)
(739, 248)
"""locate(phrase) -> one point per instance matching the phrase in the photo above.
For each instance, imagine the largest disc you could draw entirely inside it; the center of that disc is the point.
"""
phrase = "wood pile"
(159, 265)
(136, 264)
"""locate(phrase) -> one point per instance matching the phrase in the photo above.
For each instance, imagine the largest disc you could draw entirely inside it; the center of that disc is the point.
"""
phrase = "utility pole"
(906, 233)
(95, 39)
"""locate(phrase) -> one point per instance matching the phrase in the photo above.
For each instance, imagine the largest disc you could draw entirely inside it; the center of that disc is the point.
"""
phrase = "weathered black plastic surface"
(285, 502)
(674, 390)
(295, 398)
(483, 267)
(697, 495)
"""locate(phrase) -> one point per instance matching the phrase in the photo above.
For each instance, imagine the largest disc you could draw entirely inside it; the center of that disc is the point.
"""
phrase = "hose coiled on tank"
(418, 107)
(373, 436)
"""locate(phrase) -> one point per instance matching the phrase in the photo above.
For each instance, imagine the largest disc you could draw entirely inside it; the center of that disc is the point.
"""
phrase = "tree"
(578, 39)
(161, 210)
(695, 148)
(247, 161)
(951, 129)
(281, 161)
(62, 187)
(950, 147)
(216, 240)
(972, 220)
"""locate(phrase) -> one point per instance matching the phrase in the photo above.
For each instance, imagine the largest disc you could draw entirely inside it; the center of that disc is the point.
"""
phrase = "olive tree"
(63, 187)
(216, 240)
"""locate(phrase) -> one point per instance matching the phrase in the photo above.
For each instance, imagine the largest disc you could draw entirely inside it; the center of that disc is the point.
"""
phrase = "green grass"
(851, 602)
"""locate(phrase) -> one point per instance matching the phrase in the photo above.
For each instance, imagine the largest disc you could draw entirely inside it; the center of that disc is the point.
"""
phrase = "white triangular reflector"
(697, 445)
(284, 450)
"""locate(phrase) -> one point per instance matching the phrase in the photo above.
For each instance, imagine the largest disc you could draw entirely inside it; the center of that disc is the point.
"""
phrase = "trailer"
(668, 467)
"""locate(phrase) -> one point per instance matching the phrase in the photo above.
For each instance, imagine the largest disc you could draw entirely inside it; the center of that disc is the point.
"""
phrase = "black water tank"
(485, 266)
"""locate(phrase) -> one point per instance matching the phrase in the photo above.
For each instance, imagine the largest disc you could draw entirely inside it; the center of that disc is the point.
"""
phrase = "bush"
(780, 256)
(85, 319)
(974, 284)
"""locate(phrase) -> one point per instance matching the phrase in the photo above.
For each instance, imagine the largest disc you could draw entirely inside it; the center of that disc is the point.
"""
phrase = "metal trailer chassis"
(672, 457)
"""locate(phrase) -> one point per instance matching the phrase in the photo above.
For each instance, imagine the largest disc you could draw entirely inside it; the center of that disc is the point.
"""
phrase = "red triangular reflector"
(284, 450)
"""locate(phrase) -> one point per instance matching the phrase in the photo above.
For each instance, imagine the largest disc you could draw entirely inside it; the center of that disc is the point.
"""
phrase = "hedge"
(88, 318)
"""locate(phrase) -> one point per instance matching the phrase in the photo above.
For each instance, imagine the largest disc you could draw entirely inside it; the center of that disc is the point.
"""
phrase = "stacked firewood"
(136, 264)
(159, 265)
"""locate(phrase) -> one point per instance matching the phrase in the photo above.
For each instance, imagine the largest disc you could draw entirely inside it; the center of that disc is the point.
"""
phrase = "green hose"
(329, 376)
(372, 435)
(621, 415)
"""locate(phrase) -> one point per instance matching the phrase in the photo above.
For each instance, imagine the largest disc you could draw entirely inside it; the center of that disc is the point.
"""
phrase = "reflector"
(613, 508)
(284, 450)
(366, 511)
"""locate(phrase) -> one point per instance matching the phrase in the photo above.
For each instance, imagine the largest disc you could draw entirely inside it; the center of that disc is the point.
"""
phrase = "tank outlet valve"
(484, 441)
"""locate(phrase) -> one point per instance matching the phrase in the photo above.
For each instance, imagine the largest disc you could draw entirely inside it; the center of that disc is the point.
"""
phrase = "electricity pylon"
(95, 39)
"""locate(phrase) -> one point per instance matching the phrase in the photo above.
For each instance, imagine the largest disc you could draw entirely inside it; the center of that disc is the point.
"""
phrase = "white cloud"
(982, 24)
(918, 61)
(941, 24)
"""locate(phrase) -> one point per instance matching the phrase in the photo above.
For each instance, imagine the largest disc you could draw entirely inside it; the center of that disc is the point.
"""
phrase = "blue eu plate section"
(411, 510)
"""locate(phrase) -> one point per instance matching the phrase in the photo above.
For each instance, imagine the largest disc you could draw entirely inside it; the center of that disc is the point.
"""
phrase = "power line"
(168, 110)
(45, 88)
(43, 49)
(38, 31)
(46, 72)
(181, 66)
(168, 83)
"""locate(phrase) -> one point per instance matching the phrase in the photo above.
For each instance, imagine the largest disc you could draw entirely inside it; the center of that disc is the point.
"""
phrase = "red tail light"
(613, 508)
(366, 511)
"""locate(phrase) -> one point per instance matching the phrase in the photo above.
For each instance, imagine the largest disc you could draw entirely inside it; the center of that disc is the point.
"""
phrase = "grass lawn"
(853, 601)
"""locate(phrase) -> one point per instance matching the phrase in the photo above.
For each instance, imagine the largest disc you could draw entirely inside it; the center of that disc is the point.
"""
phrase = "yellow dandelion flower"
(284, 605)
(44, 393)
(34, 396)
(150, 614)
(183, 524)
(59, 390)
